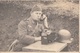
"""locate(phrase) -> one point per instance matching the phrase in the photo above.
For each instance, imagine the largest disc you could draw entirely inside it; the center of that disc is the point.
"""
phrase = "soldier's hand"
(43, 17)
(37, 38)
(48, 32)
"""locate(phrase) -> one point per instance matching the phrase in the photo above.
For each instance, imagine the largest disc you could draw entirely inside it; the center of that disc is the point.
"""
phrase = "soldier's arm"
(23, 37)
(45, 22)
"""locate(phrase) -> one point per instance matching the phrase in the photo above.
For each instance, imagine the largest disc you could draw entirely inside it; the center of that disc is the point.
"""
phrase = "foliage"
(60, 15)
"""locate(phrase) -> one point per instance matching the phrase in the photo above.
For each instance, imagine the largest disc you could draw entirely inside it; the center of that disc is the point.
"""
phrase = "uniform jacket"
(27, 29)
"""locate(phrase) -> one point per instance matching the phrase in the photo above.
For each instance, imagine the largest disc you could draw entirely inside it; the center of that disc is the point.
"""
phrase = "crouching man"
(30, 29)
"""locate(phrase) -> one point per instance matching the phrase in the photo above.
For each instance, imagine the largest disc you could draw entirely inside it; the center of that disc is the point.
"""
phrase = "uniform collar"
(32, 21)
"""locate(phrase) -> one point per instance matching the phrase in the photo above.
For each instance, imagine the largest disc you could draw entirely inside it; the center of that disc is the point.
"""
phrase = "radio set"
(48, 37)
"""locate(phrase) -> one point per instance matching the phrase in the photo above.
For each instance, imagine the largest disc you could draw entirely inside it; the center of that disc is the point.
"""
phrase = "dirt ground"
(11, 13)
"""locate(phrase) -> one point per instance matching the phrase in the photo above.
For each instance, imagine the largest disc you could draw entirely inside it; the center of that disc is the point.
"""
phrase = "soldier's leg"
(18, 47)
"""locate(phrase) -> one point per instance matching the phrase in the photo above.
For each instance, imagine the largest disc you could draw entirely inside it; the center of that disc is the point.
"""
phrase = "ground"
(59, 16)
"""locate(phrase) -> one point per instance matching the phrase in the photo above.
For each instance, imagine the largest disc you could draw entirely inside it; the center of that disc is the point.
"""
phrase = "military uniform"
(28, 29)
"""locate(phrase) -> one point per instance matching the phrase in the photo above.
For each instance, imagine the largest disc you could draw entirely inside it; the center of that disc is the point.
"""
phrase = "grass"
(59, 16)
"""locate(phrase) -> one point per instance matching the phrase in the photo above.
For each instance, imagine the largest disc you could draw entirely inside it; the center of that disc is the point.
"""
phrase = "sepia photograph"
(39, 25)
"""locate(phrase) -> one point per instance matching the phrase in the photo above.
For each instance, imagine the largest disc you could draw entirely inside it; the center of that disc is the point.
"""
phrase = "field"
(61, 15)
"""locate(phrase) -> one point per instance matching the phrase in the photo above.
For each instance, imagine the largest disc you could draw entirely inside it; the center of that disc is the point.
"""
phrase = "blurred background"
(62, 14)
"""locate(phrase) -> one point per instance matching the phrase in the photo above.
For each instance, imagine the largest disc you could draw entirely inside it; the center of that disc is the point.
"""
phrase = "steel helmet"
(65, 36)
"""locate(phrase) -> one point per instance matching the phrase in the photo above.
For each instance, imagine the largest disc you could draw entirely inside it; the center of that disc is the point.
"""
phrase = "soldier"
(30, 29)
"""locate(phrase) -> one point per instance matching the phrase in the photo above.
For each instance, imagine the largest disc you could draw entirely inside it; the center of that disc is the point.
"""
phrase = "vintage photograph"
(39, 26)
